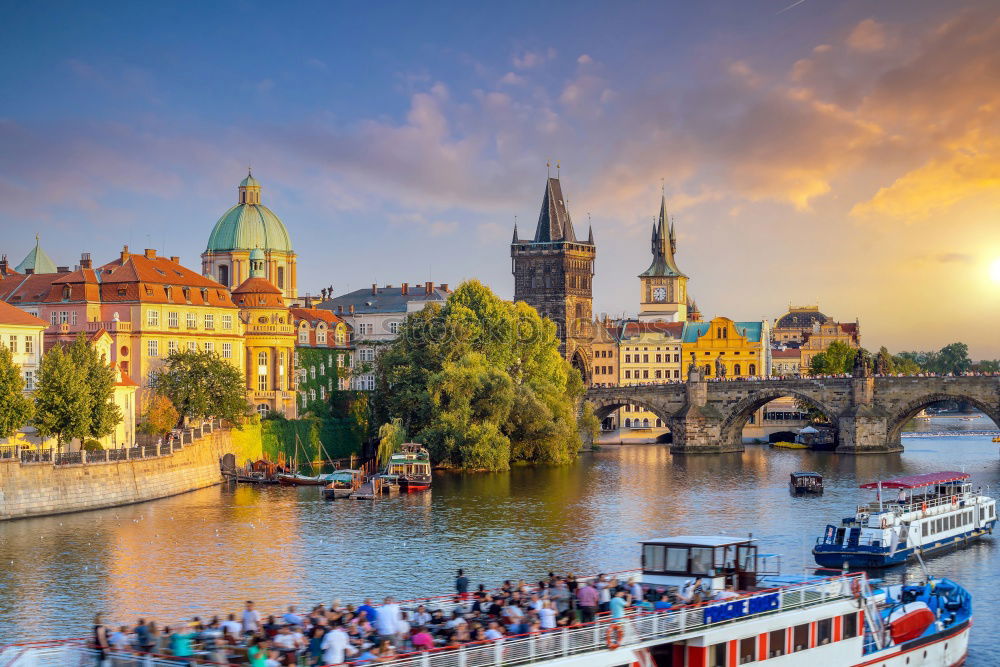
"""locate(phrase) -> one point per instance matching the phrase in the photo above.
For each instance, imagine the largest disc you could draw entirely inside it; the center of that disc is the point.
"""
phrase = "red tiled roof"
(126, 380)
(786, 354)
(671, 329)
(314, 314)
(12, 315)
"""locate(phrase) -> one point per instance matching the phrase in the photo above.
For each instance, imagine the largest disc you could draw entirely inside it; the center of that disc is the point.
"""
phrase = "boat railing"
(636, 628)
(907, 507)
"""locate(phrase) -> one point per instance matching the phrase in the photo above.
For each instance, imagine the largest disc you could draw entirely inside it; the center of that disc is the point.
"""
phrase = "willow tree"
(481, 382)
(391, 436)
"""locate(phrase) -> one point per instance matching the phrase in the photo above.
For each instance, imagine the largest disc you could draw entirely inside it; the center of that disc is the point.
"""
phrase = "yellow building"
(786, 363)
(649, 353)
(741, 348)
(823, 335)
(269, 340)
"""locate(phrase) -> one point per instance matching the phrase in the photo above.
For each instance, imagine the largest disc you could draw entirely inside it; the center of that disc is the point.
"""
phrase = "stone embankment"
(33, 484)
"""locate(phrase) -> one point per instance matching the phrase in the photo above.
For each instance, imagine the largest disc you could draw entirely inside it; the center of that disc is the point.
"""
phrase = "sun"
(995, 270)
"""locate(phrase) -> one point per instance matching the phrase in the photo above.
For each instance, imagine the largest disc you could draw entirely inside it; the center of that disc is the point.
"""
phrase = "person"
(315, 652)
(251, 619)
(118, 640)
(100, 638)
(144, 641)
(180, 644)
(403, 629)
(617, 605)
(420, 616)
(494, 631)
(560, 595)
(291, 618)
(635, 590)
(336, 646)
(663, 603)
(369, 610)
(232, 628)
(512, 616)
(387, 621)
(727, 594)
(422, 640)
(588, 597)
(604, 589)
(284, 641)
(257, 652)
(547, 616)
(462, 585)
(213, 642)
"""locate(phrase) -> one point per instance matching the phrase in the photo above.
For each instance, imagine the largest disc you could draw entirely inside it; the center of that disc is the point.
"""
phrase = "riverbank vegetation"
(481, 383)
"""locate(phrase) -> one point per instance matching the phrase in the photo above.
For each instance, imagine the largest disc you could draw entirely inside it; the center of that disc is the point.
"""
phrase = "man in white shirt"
(421, 617)
(494, 631)
(232, 627)
(387, 621)
(547, 616)
(251, 619)
(336, 646)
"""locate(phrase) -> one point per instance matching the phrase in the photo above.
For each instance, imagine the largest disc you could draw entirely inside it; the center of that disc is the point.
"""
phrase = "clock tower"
(663, 296)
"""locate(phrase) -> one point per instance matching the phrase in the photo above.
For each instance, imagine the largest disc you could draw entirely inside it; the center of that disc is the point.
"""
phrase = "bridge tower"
(663, 296)
(553, 272)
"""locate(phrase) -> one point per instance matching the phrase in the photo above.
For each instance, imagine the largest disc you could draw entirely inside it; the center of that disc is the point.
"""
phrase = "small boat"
(343, 483)
(790, 445)
(932, 513)
(411, 466)
(802, 483)
(295, 479)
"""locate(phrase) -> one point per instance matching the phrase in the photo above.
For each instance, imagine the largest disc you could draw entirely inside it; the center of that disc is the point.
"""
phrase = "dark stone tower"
(553, 272)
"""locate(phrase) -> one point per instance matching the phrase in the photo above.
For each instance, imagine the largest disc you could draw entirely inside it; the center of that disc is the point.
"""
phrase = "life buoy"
(613, 636)
(954, 501)
(856, 587)
(923, 507)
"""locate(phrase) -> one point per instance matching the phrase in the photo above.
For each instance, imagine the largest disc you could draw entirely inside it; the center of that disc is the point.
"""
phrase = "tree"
(837, 358)
(15, 408)
(884, 363)
(988, 366)
(953, 358)
(391, 436)
(481, 382)
(590, 425)
(159, 416)
(203, 384)
(63, 403)
(99, 377)
(905, 365)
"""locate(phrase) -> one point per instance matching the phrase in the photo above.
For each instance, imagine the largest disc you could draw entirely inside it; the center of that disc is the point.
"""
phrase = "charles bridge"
(868, 412)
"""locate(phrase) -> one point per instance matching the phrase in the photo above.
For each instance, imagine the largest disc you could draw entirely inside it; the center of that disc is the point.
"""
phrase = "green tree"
(837, 358)
(953, 358)
(159, 416)
(905, 365)
(884, 360)
(391, 436)
(590, 425)
(481, 382)
(203, 384)
(63, 403)
(16, 409)
(99, 377)
(988, 366)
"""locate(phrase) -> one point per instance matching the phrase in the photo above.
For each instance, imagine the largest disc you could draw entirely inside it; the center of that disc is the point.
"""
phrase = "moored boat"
(295, 479)
(411, 467)
(802, 483)
(343, 483)
(931, 513)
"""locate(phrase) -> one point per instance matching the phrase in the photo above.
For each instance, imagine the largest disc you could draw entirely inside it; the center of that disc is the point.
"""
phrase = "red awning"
(916, 481)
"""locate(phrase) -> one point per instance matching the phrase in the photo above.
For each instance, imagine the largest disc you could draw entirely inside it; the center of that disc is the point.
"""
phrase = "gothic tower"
(553, 272)
(663, 296)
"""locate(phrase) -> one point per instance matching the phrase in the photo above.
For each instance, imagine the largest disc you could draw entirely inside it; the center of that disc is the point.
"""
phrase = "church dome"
(801, 318)
(249, 224)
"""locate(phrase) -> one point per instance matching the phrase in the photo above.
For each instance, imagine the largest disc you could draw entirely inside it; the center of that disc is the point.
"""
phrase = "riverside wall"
(41, 489)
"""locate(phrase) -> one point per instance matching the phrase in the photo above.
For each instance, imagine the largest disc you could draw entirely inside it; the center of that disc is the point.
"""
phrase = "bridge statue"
(862, 364)
(693, 374)
(720, 368)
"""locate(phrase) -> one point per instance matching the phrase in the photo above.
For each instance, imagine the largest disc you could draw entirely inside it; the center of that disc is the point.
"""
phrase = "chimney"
(85, 261)
(149, 253)
(309, 301)
(405, 289)
(444, 287)
(374, 289)
(3, 265)
(62, 269)
(175, 259)
(125, 254)
(428, 288)
(351, 309)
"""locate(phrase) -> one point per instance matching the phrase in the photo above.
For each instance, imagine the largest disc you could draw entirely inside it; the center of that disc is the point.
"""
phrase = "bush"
(92, 445)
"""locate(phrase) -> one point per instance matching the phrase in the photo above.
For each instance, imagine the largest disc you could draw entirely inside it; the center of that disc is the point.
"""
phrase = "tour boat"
(931, 513)
(411, 466)
(801, 483)
(742, 614)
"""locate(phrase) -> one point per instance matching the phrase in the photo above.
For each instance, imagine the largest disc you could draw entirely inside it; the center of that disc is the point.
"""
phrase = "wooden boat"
(262, 471)
(411, 466)
(343, 483)
(805, 483)
(294, 479)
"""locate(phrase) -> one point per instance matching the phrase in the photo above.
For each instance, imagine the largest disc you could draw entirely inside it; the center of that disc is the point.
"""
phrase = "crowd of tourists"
(362, 634)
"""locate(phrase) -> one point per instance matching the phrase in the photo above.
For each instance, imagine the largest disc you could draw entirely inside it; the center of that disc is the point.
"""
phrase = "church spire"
(515, 239)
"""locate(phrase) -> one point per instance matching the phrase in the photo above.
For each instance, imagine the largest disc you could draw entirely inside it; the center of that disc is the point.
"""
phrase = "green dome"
(249, 225)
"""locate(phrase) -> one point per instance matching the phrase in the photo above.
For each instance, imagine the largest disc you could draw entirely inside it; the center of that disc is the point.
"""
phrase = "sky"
(841, 153)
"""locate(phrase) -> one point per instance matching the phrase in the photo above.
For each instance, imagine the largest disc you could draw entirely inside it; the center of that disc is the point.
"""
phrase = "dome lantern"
(256, 263)
(249, 190)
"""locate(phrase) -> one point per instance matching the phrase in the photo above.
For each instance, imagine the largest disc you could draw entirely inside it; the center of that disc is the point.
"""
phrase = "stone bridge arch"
(604, 405)
(737, 414)
(897, 418)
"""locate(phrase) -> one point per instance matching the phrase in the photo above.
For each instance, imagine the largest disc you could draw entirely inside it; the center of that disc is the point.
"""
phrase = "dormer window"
(65, 292)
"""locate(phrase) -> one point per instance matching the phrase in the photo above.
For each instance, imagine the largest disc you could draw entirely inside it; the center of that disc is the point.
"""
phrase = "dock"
(367, 491)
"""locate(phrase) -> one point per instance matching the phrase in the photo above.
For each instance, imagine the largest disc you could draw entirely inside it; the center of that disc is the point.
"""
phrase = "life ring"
(856, 587)
(954, 501)
(923, 507)
(613, 636)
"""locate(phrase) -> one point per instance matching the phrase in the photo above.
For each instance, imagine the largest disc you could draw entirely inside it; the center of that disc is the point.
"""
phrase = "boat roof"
(917, 481)
(806, 474)
(346, 471)
(699, 540)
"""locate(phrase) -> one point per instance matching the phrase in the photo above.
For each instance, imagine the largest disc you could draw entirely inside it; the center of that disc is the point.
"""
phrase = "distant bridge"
(868, 412)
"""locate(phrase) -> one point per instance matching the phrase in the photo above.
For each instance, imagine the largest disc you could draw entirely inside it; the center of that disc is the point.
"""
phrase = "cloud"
(868, 36)
(264, 86)
(955, 258)
(511, 79)
(529, 59)
(584, 59)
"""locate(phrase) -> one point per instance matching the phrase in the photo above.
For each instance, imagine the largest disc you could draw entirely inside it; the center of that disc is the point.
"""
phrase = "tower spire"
(515, 239)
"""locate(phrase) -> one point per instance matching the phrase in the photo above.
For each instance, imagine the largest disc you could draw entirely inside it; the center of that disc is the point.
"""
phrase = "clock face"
(659, 294)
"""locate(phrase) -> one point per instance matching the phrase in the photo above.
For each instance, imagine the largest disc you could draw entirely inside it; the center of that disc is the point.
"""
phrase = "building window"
(776, 643)
(312, 372)
(304, 334)
(824, 631)
(736, 370)
(800, 637)
(63, 317)
(340, 335)
(340, 361)
(281, 277)
(171, 347)
(29, 380)
(748, 650)
(172, 320)
(29, 345)
(209, 346)
(153, 348)
(628, 422)
(628, 375)
(850, 624)
(73, 318)
(192, 346)
(152, 318)
(224, 275)
(192, 321)
(322, 393)
(394, 327)
(263, 409)
(209, 321)
(752, 369)
(54, 317)
(227, 350)
(717, 655)
(321, 335)
(13, 344)
(227, 321)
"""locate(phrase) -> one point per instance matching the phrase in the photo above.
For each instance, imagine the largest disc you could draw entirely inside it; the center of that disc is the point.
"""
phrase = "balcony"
(111, 326)
(258, 328)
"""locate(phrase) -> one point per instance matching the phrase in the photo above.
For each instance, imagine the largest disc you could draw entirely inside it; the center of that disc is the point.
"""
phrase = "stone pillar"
(251, 358)
(697, 428)
(863, 429)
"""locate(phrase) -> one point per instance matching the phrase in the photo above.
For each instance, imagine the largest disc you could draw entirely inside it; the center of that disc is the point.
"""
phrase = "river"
(206, 552)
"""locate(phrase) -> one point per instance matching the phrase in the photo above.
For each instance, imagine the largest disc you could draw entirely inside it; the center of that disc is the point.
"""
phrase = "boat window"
(717, 655)
(745, 555)
(652, 557)
(701, 560)
(800, 637)
(748, 650)
(850, 625)
(923, 529)
(721, 554)
(824, 631)
(677, 560)
(952, 521)
(776, 643)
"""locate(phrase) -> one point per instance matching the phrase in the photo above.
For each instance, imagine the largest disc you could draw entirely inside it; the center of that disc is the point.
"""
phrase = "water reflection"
(206, 552)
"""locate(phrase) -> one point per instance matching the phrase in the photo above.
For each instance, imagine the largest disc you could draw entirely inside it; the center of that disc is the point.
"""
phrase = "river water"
(206, 552)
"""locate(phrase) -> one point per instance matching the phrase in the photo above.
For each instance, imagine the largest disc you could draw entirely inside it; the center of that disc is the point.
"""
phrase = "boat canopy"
(806, 474)
(918, 481)
(699, 540)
